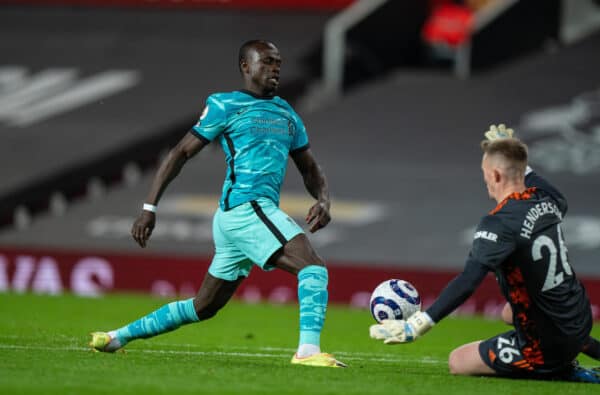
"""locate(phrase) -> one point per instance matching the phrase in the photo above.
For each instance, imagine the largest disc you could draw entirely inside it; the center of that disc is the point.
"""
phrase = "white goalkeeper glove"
(400, 331)
(502, 132)
(498, 132)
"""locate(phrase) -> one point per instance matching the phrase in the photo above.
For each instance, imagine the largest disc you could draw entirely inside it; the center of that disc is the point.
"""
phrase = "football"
(394, 300)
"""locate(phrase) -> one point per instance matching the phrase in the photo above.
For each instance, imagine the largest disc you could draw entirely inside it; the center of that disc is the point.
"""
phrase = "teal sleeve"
(300, 137)
(213, 119)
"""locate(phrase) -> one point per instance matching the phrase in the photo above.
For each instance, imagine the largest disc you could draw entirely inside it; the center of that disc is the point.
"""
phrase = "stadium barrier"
(89, 273)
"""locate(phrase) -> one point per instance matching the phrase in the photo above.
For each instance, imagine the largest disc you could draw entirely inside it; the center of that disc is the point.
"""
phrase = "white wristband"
(421, 322)
(149, 207)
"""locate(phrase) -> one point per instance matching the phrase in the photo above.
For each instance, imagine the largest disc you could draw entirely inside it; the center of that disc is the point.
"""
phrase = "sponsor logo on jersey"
(269, 125)
(291, 128)
(484, 234)
(204, 113)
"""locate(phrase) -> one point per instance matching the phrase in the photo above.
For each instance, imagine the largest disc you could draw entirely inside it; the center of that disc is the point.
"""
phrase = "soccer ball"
(394, 300)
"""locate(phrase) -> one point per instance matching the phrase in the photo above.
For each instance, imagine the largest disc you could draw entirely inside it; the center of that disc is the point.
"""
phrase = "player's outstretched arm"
(316, 184)
(169, 168)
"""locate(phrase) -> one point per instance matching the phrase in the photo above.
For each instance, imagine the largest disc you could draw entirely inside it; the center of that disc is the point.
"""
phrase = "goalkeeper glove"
(400, 331)
(498, 132)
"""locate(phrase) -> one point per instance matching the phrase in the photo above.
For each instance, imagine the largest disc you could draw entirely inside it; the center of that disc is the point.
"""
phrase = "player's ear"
(497, 176)
(244, 66)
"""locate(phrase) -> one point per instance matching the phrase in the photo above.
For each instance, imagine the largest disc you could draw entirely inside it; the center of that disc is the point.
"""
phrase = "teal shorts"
(247, 235)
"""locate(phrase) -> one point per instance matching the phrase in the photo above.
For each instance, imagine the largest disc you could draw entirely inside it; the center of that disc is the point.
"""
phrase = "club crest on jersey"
(204, 113)
(291, 128)
(484, 234)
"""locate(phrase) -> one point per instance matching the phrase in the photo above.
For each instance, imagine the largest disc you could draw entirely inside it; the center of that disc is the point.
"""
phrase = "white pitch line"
(351, 354)
(348, 356)
(65, 338)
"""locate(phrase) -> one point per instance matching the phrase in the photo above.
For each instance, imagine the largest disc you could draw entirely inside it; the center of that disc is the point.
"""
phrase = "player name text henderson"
(535, 213)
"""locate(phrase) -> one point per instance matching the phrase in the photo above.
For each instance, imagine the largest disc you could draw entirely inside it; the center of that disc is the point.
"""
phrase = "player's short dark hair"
(247, 46)
(512, 149)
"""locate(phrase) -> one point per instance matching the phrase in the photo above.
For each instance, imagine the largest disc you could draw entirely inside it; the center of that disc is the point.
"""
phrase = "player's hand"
(142, 227)
(401, 331)
(318, 216)
(392, 332)
(498, 132)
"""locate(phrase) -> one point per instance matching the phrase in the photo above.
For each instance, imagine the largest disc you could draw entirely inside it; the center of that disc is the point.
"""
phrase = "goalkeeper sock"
(312, 297)
(167, 318)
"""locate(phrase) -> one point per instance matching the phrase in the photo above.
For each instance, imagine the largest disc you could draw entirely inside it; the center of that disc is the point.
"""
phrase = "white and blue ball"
(394, 300)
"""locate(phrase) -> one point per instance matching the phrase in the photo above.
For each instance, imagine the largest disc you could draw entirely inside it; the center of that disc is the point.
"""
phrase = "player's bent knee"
(460, 363)
(466, 361)
(299, 248)
(296, 255)
(454, 363)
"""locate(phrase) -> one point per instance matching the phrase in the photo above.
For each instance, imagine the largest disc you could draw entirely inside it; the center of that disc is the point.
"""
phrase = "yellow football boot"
(320, 359)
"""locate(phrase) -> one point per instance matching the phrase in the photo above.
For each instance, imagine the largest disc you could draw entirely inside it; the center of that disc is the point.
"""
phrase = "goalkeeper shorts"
(508, 358)
(247, 235)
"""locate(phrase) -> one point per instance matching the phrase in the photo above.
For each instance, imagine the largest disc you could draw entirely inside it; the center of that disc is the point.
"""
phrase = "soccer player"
(257, 131)
(521, 241)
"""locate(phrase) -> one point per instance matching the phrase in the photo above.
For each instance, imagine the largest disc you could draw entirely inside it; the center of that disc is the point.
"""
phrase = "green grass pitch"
(245, 349)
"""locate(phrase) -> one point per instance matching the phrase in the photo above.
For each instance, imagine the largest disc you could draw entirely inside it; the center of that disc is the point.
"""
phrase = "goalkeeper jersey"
(257, 135)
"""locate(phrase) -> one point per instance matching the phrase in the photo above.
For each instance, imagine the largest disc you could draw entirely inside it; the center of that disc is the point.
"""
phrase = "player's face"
(263, 67)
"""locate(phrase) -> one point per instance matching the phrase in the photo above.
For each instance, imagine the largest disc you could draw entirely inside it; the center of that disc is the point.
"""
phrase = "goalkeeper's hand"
(400, 331)
(498, 132)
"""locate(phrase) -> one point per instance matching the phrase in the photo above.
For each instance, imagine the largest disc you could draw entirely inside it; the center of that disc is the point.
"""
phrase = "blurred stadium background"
(395, 96)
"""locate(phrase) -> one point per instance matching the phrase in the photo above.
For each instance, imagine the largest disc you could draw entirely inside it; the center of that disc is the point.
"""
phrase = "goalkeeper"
(521, 241)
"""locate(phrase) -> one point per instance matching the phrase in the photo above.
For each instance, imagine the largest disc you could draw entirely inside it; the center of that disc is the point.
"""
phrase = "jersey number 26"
(553, 278)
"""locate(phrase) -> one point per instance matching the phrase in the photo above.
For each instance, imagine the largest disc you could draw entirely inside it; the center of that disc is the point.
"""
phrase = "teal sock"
(167, 318)
(312, 296)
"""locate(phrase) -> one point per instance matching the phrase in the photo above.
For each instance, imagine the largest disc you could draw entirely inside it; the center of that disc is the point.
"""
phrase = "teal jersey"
(257, 136)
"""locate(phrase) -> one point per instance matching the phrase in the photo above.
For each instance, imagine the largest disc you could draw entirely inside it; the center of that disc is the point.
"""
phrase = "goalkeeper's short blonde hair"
(512, 151)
